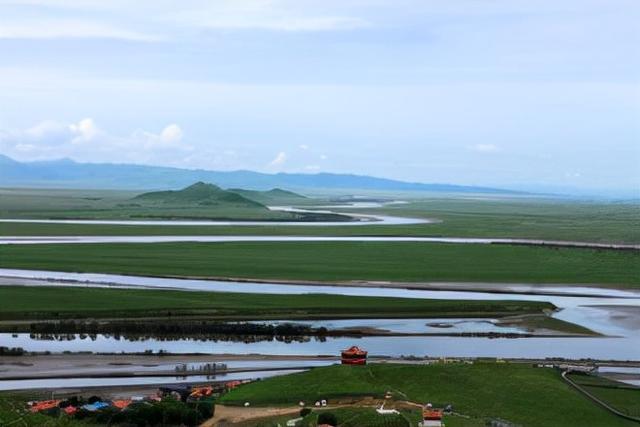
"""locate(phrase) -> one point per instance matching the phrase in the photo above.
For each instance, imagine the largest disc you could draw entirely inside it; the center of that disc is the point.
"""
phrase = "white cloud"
(171, 134)
(86, 141)
(279, 160)
(572, 174)
(85, 130)
(303, 146)
(69, 29)
(323, 157)
(485, 148)
(285, 23)
(54, 132)
(45, 128)
(312, 168)
(274, 15)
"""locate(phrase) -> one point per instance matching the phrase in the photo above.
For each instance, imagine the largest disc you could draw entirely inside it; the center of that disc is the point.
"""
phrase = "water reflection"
(603, 310)
(574, 348)
(129, 381)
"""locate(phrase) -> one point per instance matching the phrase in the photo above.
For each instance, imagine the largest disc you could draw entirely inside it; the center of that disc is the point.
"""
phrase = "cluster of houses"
(93, 404)
(431, 417)
(184, 393)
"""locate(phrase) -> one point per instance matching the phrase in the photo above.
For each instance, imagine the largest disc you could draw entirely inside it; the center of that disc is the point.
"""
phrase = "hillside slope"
(199, 194)
(271, 197)
(519, 393)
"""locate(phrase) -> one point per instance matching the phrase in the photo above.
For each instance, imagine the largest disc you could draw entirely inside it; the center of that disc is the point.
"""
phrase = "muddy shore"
(545, 289)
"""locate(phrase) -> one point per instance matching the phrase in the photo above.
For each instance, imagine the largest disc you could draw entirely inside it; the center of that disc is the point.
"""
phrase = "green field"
(338, 261)
(534, 218)
(69, 302)
(199, 202)
(518, 393)
(625, 398)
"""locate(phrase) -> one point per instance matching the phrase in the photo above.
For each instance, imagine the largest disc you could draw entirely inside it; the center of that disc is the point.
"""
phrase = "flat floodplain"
(338, 261)
(459, 216)
(68, 302)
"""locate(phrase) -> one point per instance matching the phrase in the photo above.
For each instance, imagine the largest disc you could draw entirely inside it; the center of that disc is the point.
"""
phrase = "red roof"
(432, 414)
(121, 404)
(43, 405)
(233, 384)
(354, 351)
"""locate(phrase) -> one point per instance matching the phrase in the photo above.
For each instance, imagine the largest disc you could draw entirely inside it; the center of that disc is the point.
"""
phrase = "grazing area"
(518, 393)
(623, 397)
(200, 201)
(459, 216)
(70, 302)
(527, 218)
(338, 261)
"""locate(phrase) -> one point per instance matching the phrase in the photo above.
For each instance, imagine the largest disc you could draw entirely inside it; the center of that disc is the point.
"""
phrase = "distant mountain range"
(67, 173)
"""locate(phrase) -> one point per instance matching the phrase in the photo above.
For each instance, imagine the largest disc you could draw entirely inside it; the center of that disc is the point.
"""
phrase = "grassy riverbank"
(68, 302)
(518, 393)
(625, 398)
(534, 218)
(338, 261)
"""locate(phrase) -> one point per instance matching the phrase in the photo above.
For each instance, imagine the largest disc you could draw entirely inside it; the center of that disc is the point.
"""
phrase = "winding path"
(602, 403)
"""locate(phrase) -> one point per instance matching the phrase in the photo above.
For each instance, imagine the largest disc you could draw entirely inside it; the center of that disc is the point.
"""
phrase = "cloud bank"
(84, 140)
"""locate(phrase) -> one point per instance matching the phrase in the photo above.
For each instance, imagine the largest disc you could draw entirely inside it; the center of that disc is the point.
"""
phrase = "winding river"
(613, 313)
(358, 220)
(40, 240)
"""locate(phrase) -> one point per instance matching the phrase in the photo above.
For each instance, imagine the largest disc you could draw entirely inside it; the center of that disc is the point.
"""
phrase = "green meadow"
(61, 302)
(338, 261)
(199, 201)
(623, 397)
(456, 215)
(518, 393)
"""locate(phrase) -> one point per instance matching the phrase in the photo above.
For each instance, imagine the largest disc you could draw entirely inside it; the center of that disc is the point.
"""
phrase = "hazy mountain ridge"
(67, 173)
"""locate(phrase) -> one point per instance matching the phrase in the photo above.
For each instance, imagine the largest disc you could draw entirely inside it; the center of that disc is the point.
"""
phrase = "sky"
(521, 94)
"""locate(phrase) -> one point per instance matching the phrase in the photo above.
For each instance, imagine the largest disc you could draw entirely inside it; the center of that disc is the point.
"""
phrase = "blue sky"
(521, 94)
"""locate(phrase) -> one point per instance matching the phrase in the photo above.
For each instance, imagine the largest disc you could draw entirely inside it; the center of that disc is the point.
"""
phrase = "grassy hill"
(273, 196)
(199, 201)
(199, 194)
(519, 393)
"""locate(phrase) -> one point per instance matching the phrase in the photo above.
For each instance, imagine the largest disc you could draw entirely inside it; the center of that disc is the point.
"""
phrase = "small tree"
(304, 412)
(328, 418)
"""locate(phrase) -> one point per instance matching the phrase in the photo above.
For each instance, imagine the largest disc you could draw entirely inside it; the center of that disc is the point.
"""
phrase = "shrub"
(191, 418)
(205, 408)
(328, 418)
(172, 414)
(304, 412)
